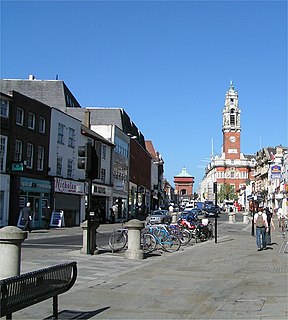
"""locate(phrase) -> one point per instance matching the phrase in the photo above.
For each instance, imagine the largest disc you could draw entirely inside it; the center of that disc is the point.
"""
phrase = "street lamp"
(254, 198)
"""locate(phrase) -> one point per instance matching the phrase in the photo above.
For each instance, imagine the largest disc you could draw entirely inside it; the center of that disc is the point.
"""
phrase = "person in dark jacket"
(269, 214)
(27, 217)
(47, 217)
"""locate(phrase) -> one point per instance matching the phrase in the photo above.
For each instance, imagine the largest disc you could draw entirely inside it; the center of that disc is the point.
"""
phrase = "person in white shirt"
(261, 223)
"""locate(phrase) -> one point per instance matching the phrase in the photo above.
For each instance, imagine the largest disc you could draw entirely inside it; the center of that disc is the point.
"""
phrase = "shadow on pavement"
(72, 314)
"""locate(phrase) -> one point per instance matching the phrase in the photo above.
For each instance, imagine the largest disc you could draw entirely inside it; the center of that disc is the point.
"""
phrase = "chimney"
(31, 77)
(87, 122)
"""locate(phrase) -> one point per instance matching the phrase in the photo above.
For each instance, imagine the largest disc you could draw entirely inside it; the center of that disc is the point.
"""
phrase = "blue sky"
(167, 63)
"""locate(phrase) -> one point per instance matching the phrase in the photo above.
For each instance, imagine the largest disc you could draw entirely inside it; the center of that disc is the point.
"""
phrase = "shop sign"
(276, 172)
(17, 166)
(28, 184)
(68, 186)
(119, 185)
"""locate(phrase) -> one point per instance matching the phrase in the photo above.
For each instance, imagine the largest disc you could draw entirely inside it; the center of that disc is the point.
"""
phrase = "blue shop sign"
(276, 172)
(28, 184)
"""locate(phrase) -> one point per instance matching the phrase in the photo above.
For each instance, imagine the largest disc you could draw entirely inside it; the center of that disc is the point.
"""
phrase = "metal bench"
(30, 288)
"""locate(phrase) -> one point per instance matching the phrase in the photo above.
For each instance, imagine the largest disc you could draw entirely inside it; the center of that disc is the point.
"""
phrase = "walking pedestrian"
(47, 217)
(261, 223)
(112, 215)
(282, 220)
(269, 214)
(27, 217)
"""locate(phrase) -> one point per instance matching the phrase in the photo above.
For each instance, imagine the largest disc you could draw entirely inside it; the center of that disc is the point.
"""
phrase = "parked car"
(212, 211)
(159, 216)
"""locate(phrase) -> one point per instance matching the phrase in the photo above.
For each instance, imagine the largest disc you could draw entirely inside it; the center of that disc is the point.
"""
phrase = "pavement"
(229, 279)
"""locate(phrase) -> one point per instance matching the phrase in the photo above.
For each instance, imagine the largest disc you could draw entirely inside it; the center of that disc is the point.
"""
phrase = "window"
(42, 125)
(69, 168)
(60, 133)
(31, 120)
(71, 137)
(103, 175)
(4, 108)
(3, 152)
(29, 161)
(18, 151)
(104, 148)
(19, 116)
(40, 159)
(121, 147)
(59, 167)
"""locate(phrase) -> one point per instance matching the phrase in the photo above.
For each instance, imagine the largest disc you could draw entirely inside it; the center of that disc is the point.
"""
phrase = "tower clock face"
(232, 139)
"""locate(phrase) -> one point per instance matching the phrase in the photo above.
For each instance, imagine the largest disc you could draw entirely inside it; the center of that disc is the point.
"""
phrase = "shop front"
(38, 193)
(4, 199)
(69, 196)
(100, 202)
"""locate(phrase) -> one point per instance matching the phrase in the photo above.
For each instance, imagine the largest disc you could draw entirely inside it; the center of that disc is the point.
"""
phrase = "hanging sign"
(276, 172)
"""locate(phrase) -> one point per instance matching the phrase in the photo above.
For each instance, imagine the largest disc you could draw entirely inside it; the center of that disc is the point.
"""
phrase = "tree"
(226, 192)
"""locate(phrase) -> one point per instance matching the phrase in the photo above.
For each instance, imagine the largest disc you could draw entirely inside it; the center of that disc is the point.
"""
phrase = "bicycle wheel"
(171, 243)
(184, 237)
(148, 242)
(118, 240)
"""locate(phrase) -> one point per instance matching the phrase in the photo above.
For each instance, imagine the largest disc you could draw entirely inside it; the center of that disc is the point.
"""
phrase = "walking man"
(261, 223)
(47, 217)
(27, 217)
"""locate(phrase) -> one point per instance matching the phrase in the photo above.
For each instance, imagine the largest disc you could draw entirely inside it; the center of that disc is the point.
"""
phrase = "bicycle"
(184, 235)
(118, 241)
(168, 242)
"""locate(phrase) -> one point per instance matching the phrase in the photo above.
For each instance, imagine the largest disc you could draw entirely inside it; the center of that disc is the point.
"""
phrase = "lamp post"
(216, 214)
(254, 198)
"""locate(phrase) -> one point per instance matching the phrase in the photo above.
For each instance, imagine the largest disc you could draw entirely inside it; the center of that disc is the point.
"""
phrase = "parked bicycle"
(164, 239)
(118, 241)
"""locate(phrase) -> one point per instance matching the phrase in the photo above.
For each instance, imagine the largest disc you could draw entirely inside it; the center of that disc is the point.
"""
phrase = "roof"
(184, 173)
(53, 93)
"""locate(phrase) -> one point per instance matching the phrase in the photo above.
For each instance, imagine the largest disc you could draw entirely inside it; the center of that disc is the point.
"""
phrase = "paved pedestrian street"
(229, 279)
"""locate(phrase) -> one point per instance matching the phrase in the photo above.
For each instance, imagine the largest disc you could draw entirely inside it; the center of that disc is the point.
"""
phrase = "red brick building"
(184, 186)
(232, 167)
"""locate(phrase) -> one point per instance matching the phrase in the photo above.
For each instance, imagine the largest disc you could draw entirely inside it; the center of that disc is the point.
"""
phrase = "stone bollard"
(245, 217)
(10, 251)
(231, 217)
(134, 250)
(94, 226)
(174, 218)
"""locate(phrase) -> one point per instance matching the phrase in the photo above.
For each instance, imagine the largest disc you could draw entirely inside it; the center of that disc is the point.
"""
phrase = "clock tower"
(231, 125)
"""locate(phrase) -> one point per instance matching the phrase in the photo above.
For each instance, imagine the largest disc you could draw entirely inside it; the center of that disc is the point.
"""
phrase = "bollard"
(245, 217)
(134, 250)
(231, 217)
(10, 251)
(92, 236)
